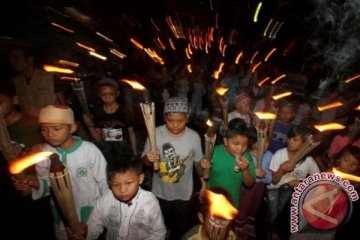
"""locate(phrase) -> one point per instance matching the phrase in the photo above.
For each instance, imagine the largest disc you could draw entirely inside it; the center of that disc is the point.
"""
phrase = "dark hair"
(7, 89)
(237, 127)
(121, 165)
(301, 130)
(353, 150)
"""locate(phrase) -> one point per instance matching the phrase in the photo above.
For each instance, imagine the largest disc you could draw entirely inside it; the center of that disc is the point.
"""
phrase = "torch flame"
(24, 162)
(281, 95)
(329, 126)
(357, 108)
(265, 115)
(330, 106)
(50, 68)
(209, 123)
(346, 175)
(221, 90)
(220, 206)
(134, 84)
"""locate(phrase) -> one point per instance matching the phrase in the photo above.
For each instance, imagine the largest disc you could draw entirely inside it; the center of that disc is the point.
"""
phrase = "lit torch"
(210, 138)
(148, 111)
(224, 105)
(61, 186)
(221, 214)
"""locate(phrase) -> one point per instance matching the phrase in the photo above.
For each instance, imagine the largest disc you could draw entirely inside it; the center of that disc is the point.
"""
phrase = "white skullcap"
(56, 114)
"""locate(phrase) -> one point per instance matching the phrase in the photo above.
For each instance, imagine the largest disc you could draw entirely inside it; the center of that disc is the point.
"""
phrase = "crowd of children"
(107, 170)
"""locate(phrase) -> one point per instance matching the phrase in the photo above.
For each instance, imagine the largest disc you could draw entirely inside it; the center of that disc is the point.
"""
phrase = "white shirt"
(235, 114)
(142, 219)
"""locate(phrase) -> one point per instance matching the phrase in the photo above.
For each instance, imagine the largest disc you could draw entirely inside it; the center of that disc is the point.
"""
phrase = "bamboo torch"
(61, 186)
(224, 106)
(221, 214)
(79, 90)
(310, 143)
(210, 138)
(148, 111)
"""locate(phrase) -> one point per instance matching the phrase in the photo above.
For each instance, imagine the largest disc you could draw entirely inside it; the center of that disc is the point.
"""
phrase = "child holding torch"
(83, 160)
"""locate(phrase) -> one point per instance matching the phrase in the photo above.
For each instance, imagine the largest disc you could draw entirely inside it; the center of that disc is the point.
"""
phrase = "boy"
(128, 211)
(242, 109)
(111, 126)
(85, 163)
(180, 148)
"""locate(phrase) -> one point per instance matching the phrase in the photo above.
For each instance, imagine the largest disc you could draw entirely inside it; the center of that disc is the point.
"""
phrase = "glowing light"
(62, 27)
(269, 54)
(330, 106)
(172, 45)
(267, 27)
(253, 57)
(282, 95)
(19, 165)
(265, 115)
(104, 37)
(238, 57)
(134, 84)
(160, 43)
(97, 55)
(50, 68)
(357, 108)
(209, 123)
(346, 175)
(117, 53)
(189, 68)
(221, 90)
(263, 81)
(70, 78)
(278, 78)
(64, 62)
(220, 206)
(136, 43)
(85, 47)
(255, 67)
(352, 78)
(329, 126)
(257, 11)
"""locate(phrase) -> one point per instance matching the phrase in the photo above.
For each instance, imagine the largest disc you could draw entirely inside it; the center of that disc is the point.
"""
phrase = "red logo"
(325, 206)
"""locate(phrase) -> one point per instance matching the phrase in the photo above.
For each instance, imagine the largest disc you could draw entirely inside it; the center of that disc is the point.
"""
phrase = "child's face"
(243, 106)
(125, 185)
(108, 94)
(348, 163)
(236, 145)
(176, 122)
(286, 114)
(57, 135)
(294, 143)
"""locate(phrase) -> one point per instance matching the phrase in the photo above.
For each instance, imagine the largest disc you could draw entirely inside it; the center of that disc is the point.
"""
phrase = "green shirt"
(222, 173)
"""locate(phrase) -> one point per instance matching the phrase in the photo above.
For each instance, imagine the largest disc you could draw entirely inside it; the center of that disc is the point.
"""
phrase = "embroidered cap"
(176, 105)
(56, 114)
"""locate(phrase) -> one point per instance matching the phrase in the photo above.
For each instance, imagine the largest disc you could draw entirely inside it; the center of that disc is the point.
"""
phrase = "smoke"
(334, 28)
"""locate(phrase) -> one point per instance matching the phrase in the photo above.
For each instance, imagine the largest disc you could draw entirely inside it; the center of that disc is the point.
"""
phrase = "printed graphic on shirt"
(278, 136)
(113, 134)
(172, 167)
(81, 172)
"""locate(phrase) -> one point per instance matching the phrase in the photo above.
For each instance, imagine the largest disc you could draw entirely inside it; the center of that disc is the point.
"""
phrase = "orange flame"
(85, 47)
(269, 54)
(189, 68)
(357, 108)
(253, 57)
(256, 66)
(209, 123)
(329, 126)
(64, 62)
(220, 206)
(221, 90)
(62, 27)
(346, 175)
(50, 68)
(263, 81)
(238, 57)
(136, 43)
(265, 115)
(281, 95)
(19, 165)
(134, 84)
(330, 106)
(70, 78)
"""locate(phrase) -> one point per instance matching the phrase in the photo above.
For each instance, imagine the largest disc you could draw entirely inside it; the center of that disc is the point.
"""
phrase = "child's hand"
(293, 183)
(242, 162)
(260, 173)
(287, 166)
(24, 183)
(72, 235)
(153, 156)
(205, 164)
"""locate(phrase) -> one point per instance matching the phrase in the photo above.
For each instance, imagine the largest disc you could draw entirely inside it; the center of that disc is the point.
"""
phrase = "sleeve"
(42, 173)
(156, 221)
(98, 169)
(198, 155)
(265, 165)
(313, 167)
(95, 223)
(275, 161)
